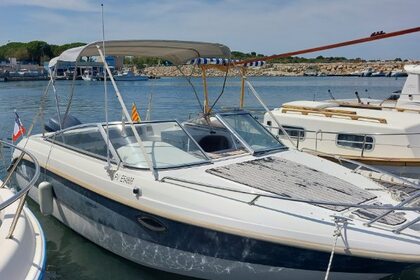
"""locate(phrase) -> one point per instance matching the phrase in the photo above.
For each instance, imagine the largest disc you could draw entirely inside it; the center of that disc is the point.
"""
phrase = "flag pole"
(12, 150)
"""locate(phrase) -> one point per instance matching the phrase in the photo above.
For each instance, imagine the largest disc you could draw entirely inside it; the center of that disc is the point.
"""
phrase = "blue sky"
(263, 26)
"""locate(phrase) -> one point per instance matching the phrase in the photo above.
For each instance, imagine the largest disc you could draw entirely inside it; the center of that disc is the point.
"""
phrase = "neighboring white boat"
(398, 73)
(382, 133)
(355, 73)
(130, 76)
(219, 197)
(378, 74)
(364, 73)
(367, 72)
(22, 242)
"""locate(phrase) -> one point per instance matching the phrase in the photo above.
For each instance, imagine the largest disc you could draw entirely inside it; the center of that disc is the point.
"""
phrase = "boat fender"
(45, 195)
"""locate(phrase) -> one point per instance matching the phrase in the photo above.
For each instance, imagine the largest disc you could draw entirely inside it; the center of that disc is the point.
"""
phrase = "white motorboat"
(130, 76)
(22, 242)
(383, 133)
(219, 197)
(88, 75)
(364, 73)
(398, 73)
(378, 74)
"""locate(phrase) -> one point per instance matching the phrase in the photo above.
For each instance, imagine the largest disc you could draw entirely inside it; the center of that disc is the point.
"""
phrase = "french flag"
(19, 130)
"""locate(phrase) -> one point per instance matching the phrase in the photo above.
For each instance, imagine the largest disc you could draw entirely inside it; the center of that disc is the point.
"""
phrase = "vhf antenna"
(108, 160)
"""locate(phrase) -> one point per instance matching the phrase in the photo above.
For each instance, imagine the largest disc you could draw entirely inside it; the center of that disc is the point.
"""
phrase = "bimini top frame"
(177, 52)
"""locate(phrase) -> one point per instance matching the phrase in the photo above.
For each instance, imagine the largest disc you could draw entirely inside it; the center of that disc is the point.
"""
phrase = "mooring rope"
(339, 224)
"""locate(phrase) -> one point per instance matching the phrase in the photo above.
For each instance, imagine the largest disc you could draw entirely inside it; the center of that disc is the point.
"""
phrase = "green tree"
(38, 50)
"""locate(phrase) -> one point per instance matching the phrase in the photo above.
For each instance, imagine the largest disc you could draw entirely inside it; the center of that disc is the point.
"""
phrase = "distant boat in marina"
(311, 72)
(366, 73)
(355, 73)
(217, 196)
(398, 73)
(89, 76)
(23, 75)
(130, 76)
(378, 74)
(369, 72)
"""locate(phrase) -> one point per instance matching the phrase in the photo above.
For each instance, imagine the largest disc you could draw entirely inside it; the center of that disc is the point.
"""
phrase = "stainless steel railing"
(405, 205)
(23, 192)
(411, 199)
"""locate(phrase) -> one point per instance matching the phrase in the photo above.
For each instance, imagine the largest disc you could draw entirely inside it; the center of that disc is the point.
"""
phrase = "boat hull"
(192, 250)
(24, 255)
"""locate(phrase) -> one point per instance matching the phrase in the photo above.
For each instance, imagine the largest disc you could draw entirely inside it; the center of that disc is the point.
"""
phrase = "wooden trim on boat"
(375, 107)
(318, 109)
(331, 113)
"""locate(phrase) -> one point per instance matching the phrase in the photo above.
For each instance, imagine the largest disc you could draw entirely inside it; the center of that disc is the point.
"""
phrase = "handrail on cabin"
(335, 132)
(331, 113)
(374, 106)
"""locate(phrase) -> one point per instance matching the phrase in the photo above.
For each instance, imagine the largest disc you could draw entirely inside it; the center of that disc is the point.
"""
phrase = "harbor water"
(70, 256)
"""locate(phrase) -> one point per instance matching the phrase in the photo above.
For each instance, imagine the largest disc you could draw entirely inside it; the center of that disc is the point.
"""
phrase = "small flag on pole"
(18, 130)
(135, 117)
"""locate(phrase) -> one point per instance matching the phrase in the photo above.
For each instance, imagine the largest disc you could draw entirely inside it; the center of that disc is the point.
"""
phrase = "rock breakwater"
(283, 69)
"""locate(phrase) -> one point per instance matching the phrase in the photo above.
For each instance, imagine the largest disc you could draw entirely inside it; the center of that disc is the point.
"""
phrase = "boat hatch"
(293, 180)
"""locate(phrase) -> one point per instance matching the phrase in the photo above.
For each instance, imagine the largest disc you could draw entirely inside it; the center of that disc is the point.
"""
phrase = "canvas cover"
(177, 52)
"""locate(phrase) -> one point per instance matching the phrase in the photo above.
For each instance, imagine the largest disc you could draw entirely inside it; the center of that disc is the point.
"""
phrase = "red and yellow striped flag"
(135, 117)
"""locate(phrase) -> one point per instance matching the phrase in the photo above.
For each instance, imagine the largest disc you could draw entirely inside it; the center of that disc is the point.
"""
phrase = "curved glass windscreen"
(250, 131)
(166, 143)
(86, 139)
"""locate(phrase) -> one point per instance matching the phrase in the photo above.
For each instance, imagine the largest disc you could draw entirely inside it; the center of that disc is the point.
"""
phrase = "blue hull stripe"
(200, 240)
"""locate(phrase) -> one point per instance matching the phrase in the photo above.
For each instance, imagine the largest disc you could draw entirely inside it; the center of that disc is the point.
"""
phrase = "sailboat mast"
(108, 160)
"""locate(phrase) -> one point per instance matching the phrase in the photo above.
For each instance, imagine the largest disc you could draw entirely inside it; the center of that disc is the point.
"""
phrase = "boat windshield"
(250, 132)
(166, 143)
